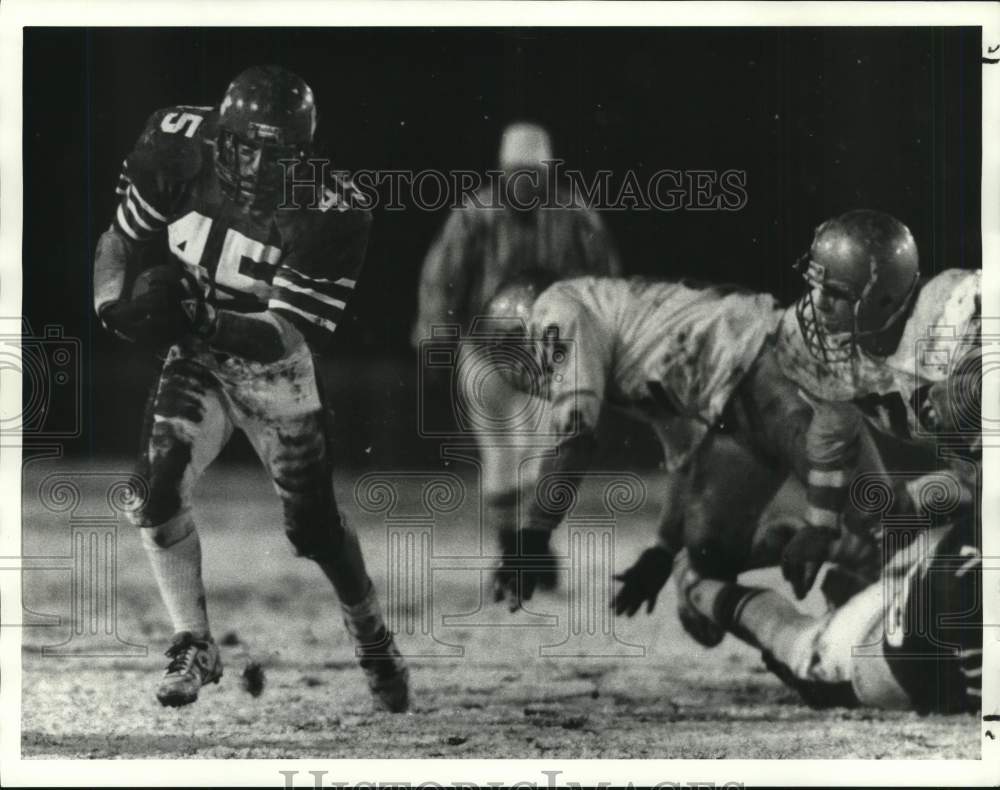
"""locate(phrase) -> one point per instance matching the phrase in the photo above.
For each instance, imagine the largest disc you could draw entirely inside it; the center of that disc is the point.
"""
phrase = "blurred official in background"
(523, 221)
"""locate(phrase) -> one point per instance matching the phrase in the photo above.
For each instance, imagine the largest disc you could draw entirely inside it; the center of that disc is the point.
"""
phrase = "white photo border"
(17, 14)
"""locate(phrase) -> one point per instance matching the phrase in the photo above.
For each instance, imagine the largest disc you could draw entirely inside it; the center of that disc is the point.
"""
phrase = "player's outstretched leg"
(185, 428)
(795, 646)
(297, 455)
(730, 486)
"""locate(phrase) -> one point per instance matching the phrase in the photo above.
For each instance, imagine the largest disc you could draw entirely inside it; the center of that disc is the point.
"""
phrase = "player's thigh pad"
(729, 490)
(280, 411)
(187, 428)
(296, 453)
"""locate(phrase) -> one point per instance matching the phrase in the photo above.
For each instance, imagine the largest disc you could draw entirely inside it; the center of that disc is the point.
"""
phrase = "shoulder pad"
(325, 242)
(943, 309)
(949, 299)
(174, 141)
(341, 195)
(560, 303)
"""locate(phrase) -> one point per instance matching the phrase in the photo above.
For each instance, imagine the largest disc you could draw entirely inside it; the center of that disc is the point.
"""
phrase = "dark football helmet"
(268, 114)
(870, 259)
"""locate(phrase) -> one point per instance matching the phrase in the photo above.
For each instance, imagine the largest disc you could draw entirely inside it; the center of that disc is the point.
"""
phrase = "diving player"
(693, 361)
(267, 281)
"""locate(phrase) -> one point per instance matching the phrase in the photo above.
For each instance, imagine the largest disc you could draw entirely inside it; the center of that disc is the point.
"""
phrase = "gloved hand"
(520, 572)
(201, 316)
(643, 581)
(804, 556)
(153, 319)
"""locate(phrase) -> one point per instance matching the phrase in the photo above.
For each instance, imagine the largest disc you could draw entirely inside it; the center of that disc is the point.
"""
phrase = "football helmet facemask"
(870, 259)
(267, 115)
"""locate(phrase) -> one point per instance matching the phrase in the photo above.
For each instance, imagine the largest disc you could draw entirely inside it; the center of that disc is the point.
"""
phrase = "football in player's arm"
(255, 283)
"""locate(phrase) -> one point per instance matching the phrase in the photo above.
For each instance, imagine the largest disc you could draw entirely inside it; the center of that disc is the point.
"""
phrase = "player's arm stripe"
(828, 477)
(820, 517)
(346, 282)
(308, 304)
(340, 289)
(280, 306)
(970, 652)
(127, 216)
(972, 672)
(123, 179)
(282, 282)
(148, 208)
(136, 214)
(122, 222)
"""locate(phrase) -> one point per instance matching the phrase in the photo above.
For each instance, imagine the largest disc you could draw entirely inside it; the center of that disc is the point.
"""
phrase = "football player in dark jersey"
(262, 283)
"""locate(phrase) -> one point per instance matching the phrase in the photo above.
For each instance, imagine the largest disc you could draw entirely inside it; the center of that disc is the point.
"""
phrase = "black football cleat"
(194, 662)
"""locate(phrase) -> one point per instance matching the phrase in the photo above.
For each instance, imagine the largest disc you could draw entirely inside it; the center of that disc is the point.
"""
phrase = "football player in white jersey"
(692, 360)
(871, 338)
(869, 331)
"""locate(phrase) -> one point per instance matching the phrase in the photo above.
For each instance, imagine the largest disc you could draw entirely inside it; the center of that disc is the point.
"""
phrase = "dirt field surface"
(562, 681)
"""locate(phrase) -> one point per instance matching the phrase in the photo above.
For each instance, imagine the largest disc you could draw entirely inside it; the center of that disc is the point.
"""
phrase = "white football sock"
(177, 569)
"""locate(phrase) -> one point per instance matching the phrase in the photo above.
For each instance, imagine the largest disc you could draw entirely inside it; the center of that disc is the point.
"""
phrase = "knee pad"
(301, 466)
(168, 455)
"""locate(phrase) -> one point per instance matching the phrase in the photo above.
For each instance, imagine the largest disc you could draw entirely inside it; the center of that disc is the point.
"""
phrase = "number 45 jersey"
(299, 262)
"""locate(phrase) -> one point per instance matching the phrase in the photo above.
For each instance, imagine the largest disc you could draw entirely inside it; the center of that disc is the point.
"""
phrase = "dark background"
(822, 121)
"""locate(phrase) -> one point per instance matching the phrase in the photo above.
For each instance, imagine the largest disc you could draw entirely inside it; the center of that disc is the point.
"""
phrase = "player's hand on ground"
(526, 563)
(805, 555)
(643, 581)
